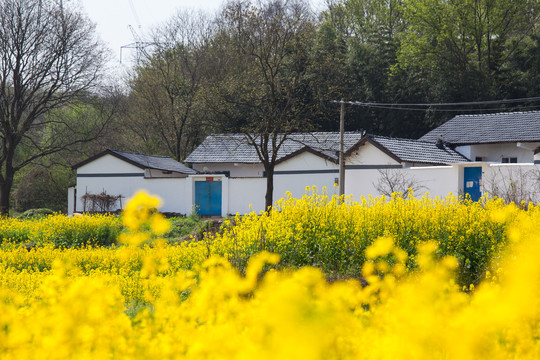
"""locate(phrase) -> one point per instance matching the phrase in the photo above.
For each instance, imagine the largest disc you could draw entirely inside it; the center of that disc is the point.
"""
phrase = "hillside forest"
(271, 66)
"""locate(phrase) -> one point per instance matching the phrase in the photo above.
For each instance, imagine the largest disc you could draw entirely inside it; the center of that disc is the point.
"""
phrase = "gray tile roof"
(417, 151)
(488, 128)
(235, 148)
(164, 163)
(229, 148)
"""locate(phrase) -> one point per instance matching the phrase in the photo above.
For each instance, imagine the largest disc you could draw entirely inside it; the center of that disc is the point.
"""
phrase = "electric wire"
(532, 107)
(433, 106)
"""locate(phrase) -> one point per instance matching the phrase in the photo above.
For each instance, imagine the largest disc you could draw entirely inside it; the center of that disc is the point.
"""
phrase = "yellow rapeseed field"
(191, 301)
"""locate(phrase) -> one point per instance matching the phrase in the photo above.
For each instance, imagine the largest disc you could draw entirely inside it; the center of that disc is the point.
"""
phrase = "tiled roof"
(488, 128)
(417, 151)
(164, 163)
(235, 148)
(229, 148)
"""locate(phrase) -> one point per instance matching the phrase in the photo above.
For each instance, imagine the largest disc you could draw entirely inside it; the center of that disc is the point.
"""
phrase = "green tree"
(72, 133)
(467, 45)
(354, 57)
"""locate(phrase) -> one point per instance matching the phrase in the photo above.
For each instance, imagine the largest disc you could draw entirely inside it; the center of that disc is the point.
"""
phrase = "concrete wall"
(154, 173)
(235, 169)
(244, 195)
(116, 177)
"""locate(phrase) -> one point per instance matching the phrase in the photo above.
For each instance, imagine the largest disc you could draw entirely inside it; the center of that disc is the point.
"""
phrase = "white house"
(512, 137)
(119, 173)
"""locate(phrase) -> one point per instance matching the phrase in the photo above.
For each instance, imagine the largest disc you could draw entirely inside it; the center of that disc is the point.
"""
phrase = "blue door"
(208, 197)
(472, 177)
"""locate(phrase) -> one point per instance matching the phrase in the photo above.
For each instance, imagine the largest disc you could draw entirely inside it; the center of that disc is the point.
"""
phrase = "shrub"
(36, 213)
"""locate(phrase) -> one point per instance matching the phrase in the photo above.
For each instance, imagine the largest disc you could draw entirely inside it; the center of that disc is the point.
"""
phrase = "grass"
(189, 228)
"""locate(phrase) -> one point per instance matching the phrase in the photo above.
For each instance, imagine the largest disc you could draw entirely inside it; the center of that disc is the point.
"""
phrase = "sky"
(113, 19)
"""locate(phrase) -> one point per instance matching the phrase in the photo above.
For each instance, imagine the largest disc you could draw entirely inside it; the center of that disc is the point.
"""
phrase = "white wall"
(100, 176)
(154, 173)
(171, 191)
(368, 154)
(108, 164)
(296, 184)
(71, 200)
(495, 152)
(246, 195)
(437, 180)
(519, 181)
(306, 161)
(235, 169)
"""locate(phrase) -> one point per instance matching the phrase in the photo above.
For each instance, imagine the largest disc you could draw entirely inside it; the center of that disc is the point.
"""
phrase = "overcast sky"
(113, 18)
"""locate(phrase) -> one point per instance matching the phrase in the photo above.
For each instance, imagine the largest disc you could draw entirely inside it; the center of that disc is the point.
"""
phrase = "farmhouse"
(512, 137)
(119, 173)
(228, 177)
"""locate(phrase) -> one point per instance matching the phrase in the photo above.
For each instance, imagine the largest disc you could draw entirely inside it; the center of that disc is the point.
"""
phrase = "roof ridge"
(497, 113)
(293, 133)
(133, 153)
(406, 139)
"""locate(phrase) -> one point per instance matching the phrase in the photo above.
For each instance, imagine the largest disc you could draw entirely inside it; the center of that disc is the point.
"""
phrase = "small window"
(507, 160)
(479, 158)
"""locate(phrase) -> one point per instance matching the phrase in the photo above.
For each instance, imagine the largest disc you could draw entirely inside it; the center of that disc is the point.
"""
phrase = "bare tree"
(514, 184)
(397, 182)
(49, 57)
(266, 47)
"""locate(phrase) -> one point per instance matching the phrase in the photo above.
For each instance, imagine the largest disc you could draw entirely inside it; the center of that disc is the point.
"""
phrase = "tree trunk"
(269, 187)
(5, 190)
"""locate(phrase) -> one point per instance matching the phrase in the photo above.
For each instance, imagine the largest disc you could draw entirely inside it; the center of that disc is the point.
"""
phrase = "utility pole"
(341, 149)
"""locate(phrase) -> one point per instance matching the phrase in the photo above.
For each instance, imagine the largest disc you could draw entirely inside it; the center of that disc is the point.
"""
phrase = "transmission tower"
(138, 44)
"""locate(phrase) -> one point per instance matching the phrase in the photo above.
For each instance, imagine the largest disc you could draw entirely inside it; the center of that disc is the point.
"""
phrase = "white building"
(119, 173)
(512, 137)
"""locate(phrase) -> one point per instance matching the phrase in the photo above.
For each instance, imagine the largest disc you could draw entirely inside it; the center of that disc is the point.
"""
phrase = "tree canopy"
(49, 57)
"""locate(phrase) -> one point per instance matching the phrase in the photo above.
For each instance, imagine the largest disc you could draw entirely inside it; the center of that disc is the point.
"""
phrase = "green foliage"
(36, 213)
(191, 228)
(38, 186)
(468, 45)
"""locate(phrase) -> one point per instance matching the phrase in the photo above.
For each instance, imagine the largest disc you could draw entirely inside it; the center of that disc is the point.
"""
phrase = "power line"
(448, 110)
(409, 106)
